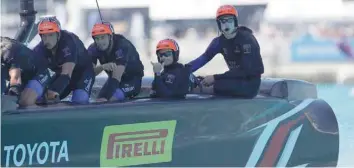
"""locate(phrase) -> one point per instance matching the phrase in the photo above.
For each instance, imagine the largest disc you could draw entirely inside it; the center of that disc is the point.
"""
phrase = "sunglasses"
(165, 54)
(226, 20)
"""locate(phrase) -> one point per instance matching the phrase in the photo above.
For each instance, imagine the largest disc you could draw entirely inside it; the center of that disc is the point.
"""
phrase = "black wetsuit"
(16, 55)
(122, 53)
(70, 50)
(173, 82)
(242, 55)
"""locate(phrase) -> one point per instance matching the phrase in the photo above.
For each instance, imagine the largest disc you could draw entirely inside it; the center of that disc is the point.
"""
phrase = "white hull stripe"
(289, 147)
(267, 132)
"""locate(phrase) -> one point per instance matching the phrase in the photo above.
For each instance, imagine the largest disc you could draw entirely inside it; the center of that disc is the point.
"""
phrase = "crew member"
(119, 58)
(17, 66)
(171, 79)
(66, 63)
(241, 52)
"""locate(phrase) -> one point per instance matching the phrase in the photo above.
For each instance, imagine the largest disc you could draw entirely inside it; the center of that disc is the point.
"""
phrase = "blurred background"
(311, 40)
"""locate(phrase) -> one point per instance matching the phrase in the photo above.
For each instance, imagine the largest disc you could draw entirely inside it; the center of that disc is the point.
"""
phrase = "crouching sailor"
(119, 58)
(17, 66)
(65, 63)
(174, 81)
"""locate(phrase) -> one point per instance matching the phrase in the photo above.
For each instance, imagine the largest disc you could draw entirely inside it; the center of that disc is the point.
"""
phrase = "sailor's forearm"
(118, 72)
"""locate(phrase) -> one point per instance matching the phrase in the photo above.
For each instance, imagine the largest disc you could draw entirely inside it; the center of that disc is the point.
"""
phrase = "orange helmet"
(226, 10)
(168, 44)
(102, 28)
(49, 24)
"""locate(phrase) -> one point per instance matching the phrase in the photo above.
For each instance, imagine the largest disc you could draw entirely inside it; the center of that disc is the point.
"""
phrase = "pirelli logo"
(136, 144)
(126, 147)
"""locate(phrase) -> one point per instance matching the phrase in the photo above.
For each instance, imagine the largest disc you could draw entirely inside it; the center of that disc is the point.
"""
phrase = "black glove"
(195, 82)
(198, 80)
(14, 90)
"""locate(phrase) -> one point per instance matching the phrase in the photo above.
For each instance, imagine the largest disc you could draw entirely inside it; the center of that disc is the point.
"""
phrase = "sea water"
(341, 99)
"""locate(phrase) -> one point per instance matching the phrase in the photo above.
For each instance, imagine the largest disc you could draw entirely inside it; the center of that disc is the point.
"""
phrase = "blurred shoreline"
(312, 45)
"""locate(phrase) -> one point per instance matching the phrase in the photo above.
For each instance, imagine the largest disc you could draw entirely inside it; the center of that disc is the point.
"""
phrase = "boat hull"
(200, 131)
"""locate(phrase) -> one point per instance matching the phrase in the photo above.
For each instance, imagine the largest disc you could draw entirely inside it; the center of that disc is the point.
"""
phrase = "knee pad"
(36, 86)
(119, 94)
(80, 96)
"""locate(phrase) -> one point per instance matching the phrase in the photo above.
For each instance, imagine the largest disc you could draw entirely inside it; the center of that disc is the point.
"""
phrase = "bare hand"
(109, 66)
(208, 80)
(157, 67)
(51, 95)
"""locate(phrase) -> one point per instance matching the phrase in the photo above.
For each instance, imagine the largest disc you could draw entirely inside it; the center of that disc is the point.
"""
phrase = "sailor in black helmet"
(241, 53)
(119, 58)
(66, 63)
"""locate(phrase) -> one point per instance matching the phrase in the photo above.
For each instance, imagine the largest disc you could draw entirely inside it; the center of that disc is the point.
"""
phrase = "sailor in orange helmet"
(65, 66)
(171, 79)
(119, 58)
(241, 53)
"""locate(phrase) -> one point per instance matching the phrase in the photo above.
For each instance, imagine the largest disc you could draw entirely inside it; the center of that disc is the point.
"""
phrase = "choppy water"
(341, 99)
